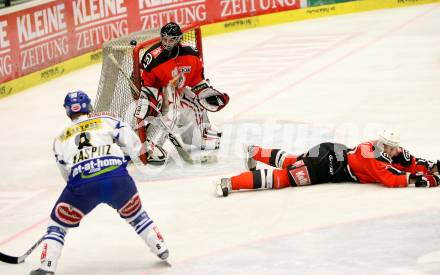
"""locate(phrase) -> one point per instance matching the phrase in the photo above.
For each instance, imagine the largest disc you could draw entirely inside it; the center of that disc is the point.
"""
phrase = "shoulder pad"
(155, 52)
(151, 54)
(187, 45)
(188, 49)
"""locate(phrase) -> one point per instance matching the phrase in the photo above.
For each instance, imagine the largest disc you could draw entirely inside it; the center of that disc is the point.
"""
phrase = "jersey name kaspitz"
(92, 152)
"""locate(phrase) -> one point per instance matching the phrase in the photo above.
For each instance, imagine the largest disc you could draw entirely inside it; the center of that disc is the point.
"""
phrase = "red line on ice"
(24, 231)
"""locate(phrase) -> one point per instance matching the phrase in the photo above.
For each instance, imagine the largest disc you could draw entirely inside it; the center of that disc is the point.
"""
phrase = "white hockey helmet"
(390, 137)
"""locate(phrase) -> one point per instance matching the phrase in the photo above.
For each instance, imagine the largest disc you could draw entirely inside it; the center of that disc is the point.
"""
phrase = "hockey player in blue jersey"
(92, 154)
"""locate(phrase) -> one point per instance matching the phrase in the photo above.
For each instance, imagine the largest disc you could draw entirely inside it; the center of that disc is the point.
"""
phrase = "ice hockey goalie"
(175, 91)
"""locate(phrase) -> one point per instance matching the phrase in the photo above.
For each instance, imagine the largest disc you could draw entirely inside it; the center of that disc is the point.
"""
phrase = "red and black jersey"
(404, 161)
(159, 67)
(370, 164)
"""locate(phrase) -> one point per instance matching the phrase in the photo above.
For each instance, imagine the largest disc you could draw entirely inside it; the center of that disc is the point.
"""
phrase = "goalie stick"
(175, 140)
(18, 260)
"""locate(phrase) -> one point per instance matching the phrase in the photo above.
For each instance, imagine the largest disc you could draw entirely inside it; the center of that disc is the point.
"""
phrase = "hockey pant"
(74, 203)
(325, 162)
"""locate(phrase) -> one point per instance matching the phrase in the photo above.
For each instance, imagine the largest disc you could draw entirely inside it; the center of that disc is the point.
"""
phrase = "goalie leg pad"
(156, 137)
(210, 139)
(149, 103)
(196, 121)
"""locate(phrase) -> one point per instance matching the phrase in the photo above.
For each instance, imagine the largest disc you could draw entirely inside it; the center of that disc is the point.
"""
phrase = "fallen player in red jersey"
(379, 161)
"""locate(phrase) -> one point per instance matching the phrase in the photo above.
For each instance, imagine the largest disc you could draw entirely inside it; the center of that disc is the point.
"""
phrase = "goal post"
(114, 93)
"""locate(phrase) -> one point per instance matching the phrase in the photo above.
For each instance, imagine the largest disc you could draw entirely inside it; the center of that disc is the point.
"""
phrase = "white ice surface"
(291, 86)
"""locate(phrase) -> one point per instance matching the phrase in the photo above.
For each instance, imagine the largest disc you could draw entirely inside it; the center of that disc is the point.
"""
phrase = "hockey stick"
(175, 140)
(18, 260)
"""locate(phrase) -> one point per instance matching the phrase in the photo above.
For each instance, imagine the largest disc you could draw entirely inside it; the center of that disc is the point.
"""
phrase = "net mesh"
(114, 92)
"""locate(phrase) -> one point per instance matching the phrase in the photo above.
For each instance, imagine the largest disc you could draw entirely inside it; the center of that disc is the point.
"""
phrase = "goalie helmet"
(390, 137)
(77, 103)
(170, 35)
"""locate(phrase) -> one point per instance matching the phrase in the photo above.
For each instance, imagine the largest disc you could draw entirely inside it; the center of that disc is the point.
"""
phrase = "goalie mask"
(77, 103)
(170, 36)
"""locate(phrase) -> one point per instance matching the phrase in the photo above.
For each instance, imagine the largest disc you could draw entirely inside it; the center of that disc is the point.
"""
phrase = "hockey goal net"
(114, 93)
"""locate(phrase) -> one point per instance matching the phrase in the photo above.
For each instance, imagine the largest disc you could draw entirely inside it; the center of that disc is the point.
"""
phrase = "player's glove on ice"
(424, 180)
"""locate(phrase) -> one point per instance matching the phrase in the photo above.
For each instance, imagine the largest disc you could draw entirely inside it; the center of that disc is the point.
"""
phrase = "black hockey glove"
(423, 180)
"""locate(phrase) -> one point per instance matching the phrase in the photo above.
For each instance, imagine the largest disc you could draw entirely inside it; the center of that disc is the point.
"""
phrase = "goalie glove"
(149, 103)
(424, 180)
(208, 97)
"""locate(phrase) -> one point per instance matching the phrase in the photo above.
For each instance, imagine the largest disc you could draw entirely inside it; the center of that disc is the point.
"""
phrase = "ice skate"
(156, 243)
(224, 187)
(249, 153)
(41, 272)
(164, 255)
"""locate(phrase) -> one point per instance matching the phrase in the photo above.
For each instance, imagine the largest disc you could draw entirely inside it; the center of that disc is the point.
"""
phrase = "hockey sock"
(280, 179)
(243, 181)
(52, 246)
(261, 179)
(148, 231)
(262, 155)
(274, 157)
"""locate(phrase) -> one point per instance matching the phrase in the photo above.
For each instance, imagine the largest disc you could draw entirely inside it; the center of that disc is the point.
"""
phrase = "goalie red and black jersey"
(183, 65)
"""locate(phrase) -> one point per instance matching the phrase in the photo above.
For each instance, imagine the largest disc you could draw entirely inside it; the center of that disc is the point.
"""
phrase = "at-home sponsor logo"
(5, 51)
(42, 35)
(238, 7)
(155, 14)
(97, 21)
(88, 168)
